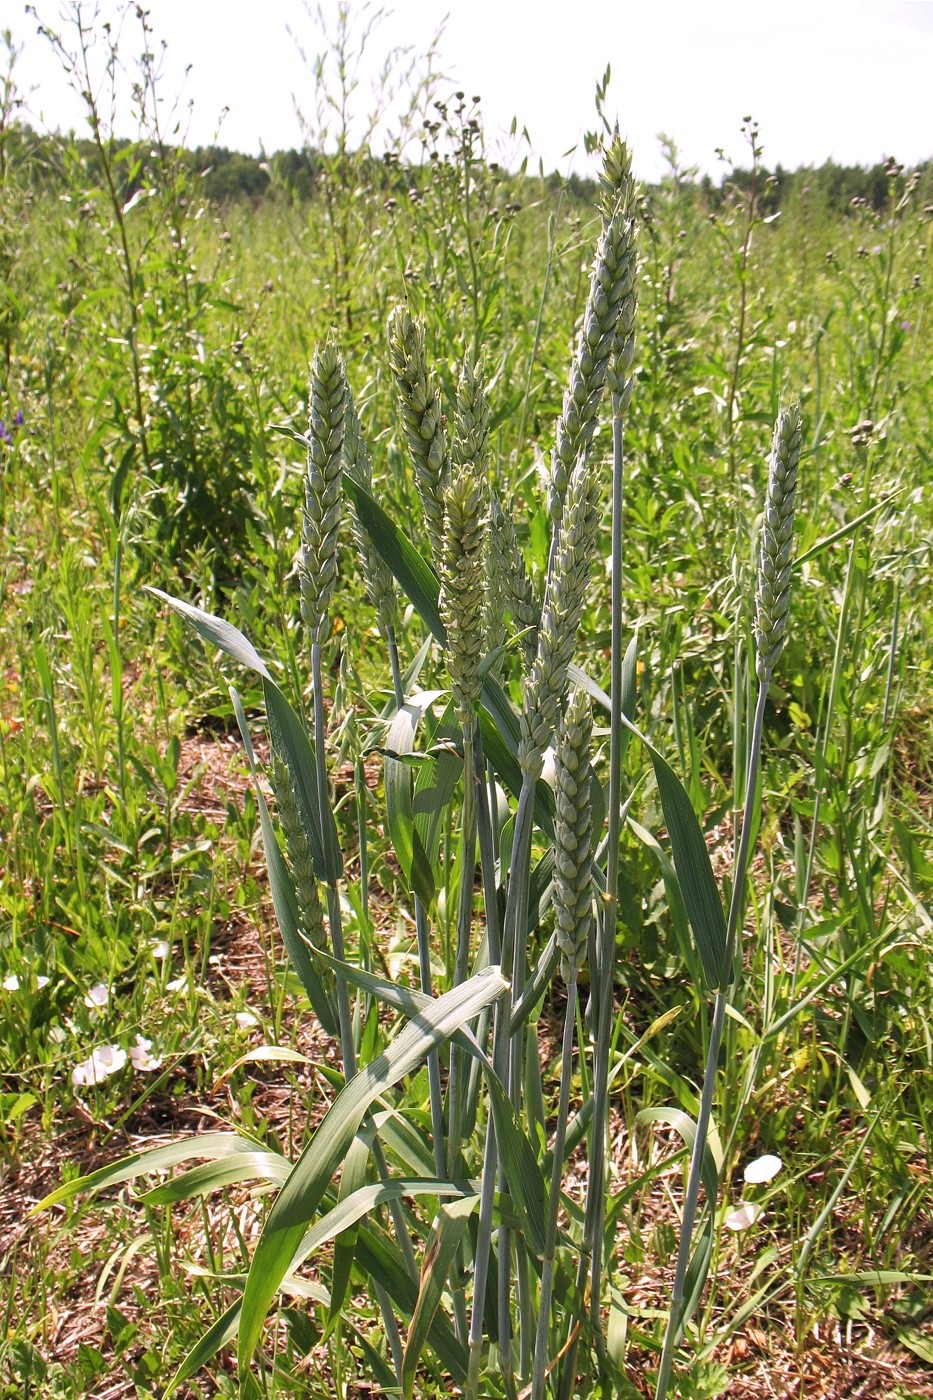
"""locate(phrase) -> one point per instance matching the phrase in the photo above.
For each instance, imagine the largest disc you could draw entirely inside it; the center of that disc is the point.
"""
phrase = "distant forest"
(225, 176)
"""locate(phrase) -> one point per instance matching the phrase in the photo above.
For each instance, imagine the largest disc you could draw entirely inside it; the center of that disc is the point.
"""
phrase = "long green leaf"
(317, 1165)
(212, 1176)
(216, 632)
(414, 574)
(691, 858)
(218, 1335)
(289, 737)
(283, 895)
(347, 1213)
(686, 1127)
(210, 1145)
(380, 1257)
(524, 1174)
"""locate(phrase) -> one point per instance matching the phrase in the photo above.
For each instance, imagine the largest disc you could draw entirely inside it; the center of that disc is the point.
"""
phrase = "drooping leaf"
(258, 1165)
(283, 895)
(210, 1145)
(216, 632)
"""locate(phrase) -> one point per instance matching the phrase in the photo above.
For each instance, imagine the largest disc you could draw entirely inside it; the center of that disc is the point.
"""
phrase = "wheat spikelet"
(560, 617)
(772, 596)
(612, 286)
(380, 585)
(317, 562)
(422, 417)
(463, 584)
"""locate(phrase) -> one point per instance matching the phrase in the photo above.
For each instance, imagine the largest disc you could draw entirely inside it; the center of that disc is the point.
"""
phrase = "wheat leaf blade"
(314, 1170)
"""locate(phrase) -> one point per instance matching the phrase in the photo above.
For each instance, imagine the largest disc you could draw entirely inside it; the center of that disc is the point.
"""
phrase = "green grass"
(129, 822)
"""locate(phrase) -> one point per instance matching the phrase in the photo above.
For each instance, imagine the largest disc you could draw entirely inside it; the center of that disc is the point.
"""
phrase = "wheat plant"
(509, 1293)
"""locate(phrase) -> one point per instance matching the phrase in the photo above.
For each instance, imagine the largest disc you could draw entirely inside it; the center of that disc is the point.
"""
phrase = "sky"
(843, 79)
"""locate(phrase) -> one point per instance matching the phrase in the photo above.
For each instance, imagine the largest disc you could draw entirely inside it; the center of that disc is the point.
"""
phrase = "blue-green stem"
(462, 959)
(591, 1257)
(674, 1321)
(557, 1174)
(487, 1192)
(424, 957)
(348, 1048)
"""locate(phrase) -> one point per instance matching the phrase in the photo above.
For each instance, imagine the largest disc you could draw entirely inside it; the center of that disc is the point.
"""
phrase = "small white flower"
(11, 983)
(97, 997)
(762, 1169)
(246, 1019)
(160, 950)
(105, 1060)
(42, 982)
(744, 1217)
(142, 1060)
(177, 984)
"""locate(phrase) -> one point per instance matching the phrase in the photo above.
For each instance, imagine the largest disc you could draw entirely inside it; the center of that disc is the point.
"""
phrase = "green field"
(160, 987)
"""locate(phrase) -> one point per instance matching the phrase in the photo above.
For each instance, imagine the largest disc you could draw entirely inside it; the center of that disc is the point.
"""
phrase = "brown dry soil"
(76, 1246)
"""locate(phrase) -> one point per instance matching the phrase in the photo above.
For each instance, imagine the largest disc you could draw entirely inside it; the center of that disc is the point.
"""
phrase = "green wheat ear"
(471, 425)
(568, 578)
(599, 350)
(463, 584)
(772, 596)
(380, 585)
(510, 580)
(317, 561)
(422, 417)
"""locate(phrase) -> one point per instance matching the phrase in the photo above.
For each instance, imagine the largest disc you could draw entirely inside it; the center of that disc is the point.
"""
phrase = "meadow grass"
(138, 399)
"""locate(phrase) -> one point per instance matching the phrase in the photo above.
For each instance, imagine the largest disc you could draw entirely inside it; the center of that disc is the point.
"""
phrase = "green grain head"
(317, 561)
(471, 426)
(380, 585)
(772, 596)
(612, 290)
(568, 578)
(463, 584)
(422, 417)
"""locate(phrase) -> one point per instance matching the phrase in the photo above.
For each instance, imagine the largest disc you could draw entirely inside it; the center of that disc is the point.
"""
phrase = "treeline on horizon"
(225, 176)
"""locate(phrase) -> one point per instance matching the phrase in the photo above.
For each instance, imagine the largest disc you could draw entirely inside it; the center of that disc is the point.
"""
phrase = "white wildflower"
(762, 1169)
(142, 1060)
(744, 1217)
(105, 1060)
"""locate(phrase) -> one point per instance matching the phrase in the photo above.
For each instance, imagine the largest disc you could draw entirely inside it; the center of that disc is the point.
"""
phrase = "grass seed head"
(509, 579)
(380, 585)
(612, 291)
(560, 617)
(471, 427)
(772, 598)
(317, 562)
(422, 417)
(463, 584)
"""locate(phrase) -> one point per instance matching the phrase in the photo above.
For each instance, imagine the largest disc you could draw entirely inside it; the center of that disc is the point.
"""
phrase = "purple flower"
(18, 418)
(905, 325)
(4, 433)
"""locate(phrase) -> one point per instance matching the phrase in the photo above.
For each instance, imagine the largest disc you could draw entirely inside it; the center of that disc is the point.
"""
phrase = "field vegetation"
(317, 710)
